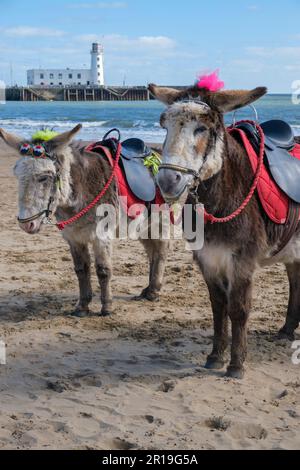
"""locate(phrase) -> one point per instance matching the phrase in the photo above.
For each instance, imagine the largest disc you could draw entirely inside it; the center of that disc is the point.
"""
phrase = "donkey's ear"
(12, 140)
(227, 101)
(62, 140)
(165, 95)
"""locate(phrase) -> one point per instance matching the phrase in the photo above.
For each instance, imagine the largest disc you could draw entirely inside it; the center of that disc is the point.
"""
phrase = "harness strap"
(103, 149)
(290, 227)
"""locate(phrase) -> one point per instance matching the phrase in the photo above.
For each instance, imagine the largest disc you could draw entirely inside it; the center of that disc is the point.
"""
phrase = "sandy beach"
(134, 380)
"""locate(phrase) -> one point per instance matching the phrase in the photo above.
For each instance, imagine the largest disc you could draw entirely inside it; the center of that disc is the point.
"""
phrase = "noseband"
(180, 169)
(47, 212)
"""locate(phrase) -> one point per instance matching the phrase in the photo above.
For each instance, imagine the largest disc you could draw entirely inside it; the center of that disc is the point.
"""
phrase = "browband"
(196, 101)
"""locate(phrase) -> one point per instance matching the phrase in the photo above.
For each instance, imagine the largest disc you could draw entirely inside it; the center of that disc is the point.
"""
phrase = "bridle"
(39, 151)
(46, 212)
(193, 188)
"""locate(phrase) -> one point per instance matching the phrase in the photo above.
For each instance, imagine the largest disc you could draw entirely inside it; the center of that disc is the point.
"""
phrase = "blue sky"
(252, 42)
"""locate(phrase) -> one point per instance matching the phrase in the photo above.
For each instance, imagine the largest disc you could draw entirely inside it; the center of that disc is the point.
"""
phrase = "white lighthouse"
(97, 66)
(71, 77)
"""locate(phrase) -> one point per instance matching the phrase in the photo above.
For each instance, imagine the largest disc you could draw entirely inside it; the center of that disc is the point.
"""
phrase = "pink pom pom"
(210, 82)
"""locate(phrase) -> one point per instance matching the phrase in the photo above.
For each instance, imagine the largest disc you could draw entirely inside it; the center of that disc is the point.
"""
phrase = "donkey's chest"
(215, 261)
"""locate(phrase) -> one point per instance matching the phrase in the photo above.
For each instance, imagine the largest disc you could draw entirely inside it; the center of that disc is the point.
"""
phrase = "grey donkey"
(81, 177)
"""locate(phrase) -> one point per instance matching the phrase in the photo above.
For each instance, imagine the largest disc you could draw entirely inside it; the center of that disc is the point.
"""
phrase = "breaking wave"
(92, 130)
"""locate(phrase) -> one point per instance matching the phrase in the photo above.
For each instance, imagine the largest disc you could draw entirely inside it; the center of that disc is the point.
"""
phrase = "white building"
(62, 77)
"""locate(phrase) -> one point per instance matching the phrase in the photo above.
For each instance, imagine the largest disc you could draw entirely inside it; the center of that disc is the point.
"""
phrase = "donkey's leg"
(293, 314)
(157, 251)
(103, 255)
(82, 265)
(219, 302)
(239, 310)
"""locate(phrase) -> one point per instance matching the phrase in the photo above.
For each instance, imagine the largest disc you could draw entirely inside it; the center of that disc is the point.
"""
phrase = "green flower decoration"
(44, 135)
(153, 162)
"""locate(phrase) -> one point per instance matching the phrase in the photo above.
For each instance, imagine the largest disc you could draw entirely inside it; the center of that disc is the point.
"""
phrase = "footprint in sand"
(248, 431)
(167, 386)
(121, 444)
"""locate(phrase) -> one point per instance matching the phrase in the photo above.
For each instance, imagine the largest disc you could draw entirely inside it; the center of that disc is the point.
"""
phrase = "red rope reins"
(209, 218)
(62, 225)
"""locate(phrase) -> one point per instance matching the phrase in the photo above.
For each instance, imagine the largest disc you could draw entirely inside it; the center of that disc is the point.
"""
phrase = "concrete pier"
(78, 93)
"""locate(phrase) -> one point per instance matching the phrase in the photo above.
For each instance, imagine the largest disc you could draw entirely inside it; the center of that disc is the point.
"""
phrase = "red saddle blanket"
(274, 201)
(132, 205)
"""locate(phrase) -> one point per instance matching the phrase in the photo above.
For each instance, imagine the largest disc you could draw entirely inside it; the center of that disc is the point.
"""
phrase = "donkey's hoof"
(214, 363)
(287, 335)
(235, 372)
(147, 295)
(105, 313)
(80, 313)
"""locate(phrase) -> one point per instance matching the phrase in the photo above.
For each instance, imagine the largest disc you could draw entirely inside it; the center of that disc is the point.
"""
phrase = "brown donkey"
(197, 140)
(81, 176)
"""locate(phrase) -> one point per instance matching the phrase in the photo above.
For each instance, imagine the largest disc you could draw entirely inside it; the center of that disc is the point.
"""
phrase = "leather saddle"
(279, 141)
(138, 176)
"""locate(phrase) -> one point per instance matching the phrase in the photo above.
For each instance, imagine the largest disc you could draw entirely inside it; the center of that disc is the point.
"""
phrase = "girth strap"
(290, 227)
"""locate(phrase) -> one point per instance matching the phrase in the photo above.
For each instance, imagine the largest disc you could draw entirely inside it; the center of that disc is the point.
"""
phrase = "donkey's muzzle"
(172, 183)
(32, 227)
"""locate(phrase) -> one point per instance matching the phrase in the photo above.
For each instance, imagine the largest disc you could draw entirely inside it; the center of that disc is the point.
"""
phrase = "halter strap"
(181, 169)
(47, 213)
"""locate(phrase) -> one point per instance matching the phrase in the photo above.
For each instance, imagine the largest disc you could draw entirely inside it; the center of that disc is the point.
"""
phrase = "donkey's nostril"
(171, 182)
(29, 227)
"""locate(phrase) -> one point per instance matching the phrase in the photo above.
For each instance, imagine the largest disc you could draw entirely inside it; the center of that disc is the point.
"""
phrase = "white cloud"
(252, 7)
(28, 31)
(99, 5)
(117, 42)
(282, 52)
(157, 41)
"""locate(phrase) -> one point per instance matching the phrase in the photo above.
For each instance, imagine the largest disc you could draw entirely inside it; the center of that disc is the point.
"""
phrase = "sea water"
(133, 119)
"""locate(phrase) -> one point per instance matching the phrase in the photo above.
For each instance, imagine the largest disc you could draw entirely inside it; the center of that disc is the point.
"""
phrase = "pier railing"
(77, 93)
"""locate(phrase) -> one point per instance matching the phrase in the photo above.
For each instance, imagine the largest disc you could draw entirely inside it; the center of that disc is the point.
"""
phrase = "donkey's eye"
(163, 121)
(44, 178)
(200, 130)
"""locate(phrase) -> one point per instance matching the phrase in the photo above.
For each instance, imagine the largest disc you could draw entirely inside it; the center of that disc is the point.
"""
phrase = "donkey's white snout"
(172, 183)
(31, 227)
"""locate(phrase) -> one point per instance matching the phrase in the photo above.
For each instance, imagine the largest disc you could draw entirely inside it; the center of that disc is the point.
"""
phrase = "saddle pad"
(127, 198)
(273, 200)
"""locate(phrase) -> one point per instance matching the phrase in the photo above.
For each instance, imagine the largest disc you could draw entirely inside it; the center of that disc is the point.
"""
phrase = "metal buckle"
(48, 221)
